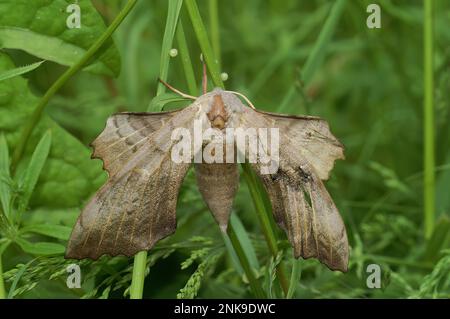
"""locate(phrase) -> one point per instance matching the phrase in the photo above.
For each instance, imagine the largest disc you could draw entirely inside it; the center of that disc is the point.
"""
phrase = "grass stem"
(234, 239)
(254, 283)
(2, 283)
(428, 122)
(138, 276)
(173, 12)
(186, 60)
(203, 41)
(214, 27)
(213, 67)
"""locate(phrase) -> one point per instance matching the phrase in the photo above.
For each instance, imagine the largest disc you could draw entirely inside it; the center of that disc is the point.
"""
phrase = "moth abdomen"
(218, 184)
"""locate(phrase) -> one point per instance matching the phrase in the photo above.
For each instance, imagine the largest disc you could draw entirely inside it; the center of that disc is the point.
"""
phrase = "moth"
(136, 207)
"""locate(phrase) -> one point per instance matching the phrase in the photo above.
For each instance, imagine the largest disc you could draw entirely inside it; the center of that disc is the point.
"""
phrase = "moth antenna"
(244, 97)
(170, 87)
(205, 76)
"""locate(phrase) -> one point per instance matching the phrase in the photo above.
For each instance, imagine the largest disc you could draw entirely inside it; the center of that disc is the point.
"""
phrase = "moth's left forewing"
(300, 202)
(136, 207)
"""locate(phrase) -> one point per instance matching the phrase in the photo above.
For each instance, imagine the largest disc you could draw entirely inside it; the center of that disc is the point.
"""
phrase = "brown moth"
(136, 207)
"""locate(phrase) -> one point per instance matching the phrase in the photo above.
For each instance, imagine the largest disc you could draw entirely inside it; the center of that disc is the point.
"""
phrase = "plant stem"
(37, 113)
(140, 259)
(254, 283)
(173, 12)
(317, 55)
(214, 26)
(138, 276)
(295, 277)
(263, 215)
(186, 60)
(2, 283)
(233, 239)
(202, 37)
(428, 121)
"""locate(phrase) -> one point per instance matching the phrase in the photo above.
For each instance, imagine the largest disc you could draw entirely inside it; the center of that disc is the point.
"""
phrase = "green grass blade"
(295, 277)
(317, 55)
(140, 259)
(5, 191)
(202, 37)
(428, 121)
(254, 283)
(19, 70)
(213, 66)
(211, 61)
(232, 253)
(244, 239)
(2, 283)
(186, 60)
(173, 12)
(263, 214)
(34, 168)
(213, 8)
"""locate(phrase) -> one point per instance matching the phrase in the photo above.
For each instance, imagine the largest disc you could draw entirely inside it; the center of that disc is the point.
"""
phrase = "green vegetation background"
(368, 86)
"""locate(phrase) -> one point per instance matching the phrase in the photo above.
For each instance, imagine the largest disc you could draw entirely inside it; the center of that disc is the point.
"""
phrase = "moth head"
(217, 115)
(220, 107)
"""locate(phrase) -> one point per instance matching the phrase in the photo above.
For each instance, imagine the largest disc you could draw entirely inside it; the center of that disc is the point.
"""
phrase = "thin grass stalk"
(2, 283)
(173, 12)
(263, 214)
(37, 113)
(234, 240)
(138, 275)
(254, 283)
(428, 122)
(317, 55)
(214, 27)
(186, 60)
(212, 62)
(203, 41)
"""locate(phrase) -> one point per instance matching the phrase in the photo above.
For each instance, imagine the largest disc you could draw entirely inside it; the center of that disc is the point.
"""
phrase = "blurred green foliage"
(369, 88)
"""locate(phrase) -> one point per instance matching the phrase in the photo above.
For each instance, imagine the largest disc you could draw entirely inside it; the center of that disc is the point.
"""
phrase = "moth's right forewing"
(300, 202)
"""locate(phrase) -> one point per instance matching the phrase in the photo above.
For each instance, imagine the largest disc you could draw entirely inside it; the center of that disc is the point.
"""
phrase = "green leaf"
(159, 101)
(55, 231)
(35, 167)
(39, 27)
(19, 70)
(41, 248)
(65, 216)
(245, 241)
(69, 176)
(295, 277)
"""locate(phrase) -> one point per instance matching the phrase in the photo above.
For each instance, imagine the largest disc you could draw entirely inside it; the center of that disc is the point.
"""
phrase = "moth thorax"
(218, 115)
